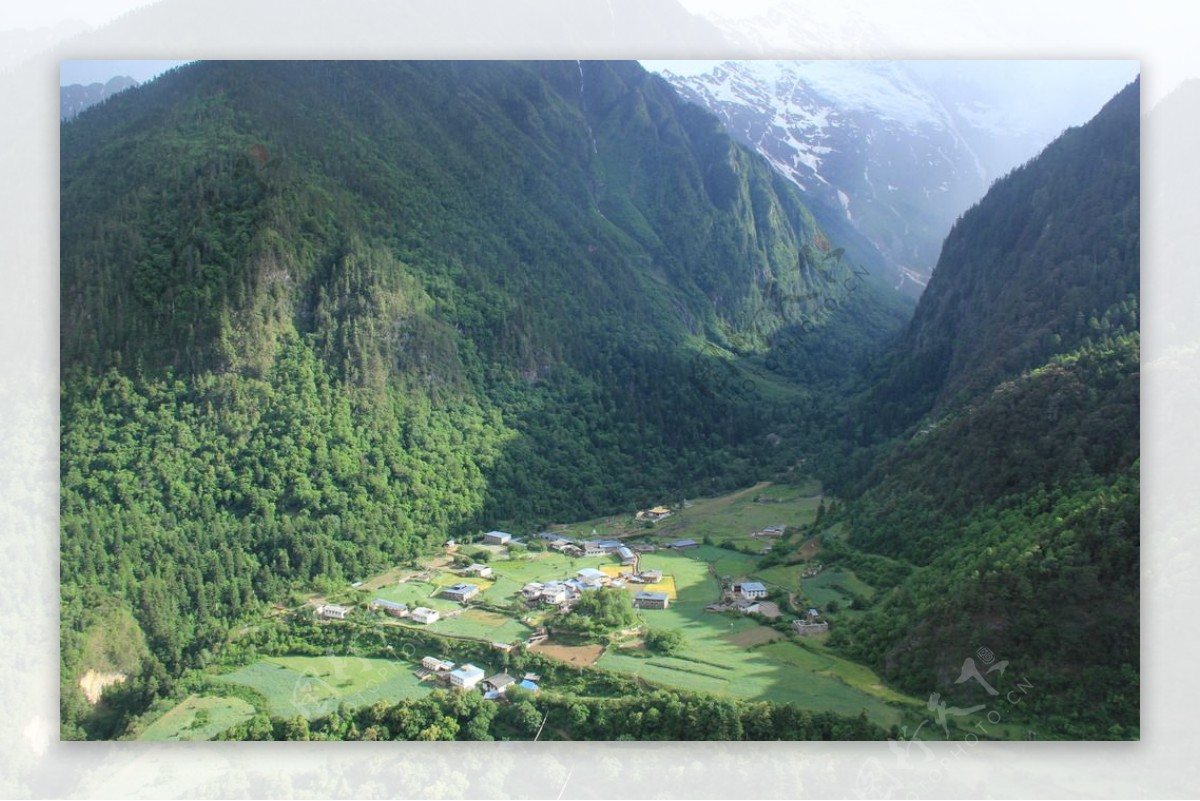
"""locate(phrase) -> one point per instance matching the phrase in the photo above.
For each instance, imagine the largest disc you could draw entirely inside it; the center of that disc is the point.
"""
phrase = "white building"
(555, 594)
(592, 548)
(424, 615)
(332, 612)
(591, 576)
(466, 676)
(497, 538)
(436, 665)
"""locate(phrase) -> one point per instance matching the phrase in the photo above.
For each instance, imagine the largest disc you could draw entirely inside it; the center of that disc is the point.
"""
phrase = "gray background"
(34, 764)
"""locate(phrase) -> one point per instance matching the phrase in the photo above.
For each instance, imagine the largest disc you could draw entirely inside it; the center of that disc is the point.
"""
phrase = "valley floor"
(755, 657)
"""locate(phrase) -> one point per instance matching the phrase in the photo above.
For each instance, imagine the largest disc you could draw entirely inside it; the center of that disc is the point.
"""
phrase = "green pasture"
(779, 671)
(483, 625)
(198, 718)
(416, 593)
(823, 588)
(312, 686)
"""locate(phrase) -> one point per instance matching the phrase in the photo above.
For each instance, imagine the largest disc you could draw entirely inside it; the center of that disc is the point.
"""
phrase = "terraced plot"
(198, 718)
(312, 686)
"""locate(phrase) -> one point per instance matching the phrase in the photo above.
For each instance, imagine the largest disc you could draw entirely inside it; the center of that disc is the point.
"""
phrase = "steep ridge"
(1014, 490)
(1047, 259)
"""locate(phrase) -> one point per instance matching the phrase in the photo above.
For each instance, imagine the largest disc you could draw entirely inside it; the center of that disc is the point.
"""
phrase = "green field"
(483, 625)
(718, 657)
(417, 593)
(722, 653)
(312, 686)
(731, 655)
(821, 588)
(727, 517)
(541, 566)
(735, 516)
(198, 718)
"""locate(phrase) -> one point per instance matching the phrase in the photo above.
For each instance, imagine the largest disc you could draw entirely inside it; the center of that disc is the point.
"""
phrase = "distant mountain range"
(898, 149)
(76, 97)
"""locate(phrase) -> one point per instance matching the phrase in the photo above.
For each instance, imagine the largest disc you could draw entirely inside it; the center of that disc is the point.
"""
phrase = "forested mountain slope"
(1047, 259)
(316, 317)
(1016, 493)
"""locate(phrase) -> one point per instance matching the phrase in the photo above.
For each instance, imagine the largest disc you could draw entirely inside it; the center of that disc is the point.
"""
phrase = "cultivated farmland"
(312, 686)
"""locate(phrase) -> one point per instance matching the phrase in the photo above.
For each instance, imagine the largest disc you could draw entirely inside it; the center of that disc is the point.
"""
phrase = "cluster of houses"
(582, 548)
(420, 614)
(563, 593)
(812, 570)
(468, 677)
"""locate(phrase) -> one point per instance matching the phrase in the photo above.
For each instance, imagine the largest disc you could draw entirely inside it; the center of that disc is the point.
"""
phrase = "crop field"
(824, 587)
(312, 686)
(735, 516)
(573, 654)
(723, 653)
(198, 718)
(535, 566)
(416, 593)
(483, 625)
(748, 638)
(779, 671)
(503, 590)
(734, 655)
(784, 576)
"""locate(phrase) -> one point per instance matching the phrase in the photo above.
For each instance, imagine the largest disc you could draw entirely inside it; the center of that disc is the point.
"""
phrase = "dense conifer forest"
(318, 318)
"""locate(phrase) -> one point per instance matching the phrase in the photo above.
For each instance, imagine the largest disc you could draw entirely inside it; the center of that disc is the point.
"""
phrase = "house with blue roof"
(390, 607)
(591, 576)
(651, 600)
(751, 589)
(461, 592)
(466, 677)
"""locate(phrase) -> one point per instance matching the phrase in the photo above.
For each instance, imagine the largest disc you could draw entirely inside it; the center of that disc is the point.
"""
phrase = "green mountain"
(1014, 490)
(1047, 260)
(317, 317)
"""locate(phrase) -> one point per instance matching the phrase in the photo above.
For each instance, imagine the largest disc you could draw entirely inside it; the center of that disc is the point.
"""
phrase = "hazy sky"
(28, 14)
(86, 72)
(1043, 96)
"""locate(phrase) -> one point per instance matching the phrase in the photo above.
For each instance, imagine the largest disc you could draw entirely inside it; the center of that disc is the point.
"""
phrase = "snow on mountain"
(864, 138)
